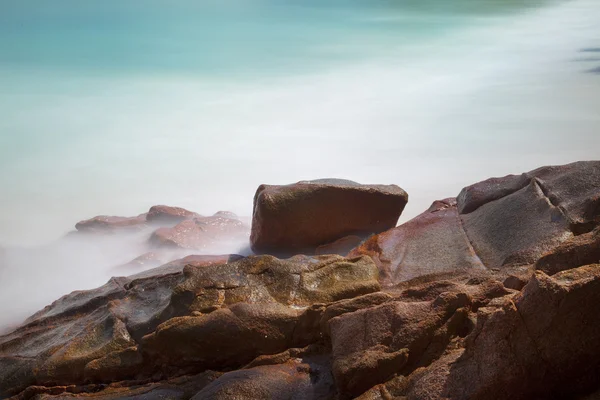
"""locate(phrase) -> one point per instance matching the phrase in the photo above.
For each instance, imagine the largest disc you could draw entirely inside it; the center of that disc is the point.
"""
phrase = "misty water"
(111, 107)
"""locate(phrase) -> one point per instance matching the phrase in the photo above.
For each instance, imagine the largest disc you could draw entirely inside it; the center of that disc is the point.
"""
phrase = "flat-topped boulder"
(297, 218)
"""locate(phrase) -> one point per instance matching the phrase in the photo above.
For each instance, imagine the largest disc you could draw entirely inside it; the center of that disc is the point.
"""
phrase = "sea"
(109, 107)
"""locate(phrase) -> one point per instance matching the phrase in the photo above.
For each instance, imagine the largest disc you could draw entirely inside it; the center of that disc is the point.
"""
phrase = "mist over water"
(112, 107)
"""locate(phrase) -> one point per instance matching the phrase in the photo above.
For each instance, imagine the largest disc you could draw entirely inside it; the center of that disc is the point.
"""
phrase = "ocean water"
(109, 107)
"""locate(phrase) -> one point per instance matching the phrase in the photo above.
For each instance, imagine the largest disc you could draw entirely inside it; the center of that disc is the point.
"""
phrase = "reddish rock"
(341, 246)
(104, 223)
(145, 261)
(371, 345)
(168, 215)
(572, 188)
(299, 217)
(199, 233)
(433, 242)
(516, 229)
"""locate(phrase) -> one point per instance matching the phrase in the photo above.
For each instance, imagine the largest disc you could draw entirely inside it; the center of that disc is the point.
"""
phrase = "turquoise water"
(109, 107)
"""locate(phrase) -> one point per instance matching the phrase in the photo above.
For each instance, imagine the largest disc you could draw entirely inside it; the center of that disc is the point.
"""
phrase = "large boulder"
(297, 218)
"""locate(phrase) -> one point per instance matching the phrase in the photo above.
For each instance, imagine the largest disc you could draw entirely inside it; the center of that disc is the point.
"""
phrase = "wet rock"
(297, 218)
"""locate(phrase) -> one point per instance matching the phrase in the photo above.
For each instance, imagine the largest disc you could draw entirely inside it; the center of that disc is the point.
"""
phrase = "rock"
(307, 378)
(299, 217)
(433, 242)
(54, 345)
(474, 196)
(341, 246)
(579, 250)
(176, 388)
(516, 229)
(515, 282)
(116, 365)
(573, 188)
(542, 343)
(371, 345)
(168, 215)
(202, 315)
(145, 261)
(104, 223)
(176, 266)
(492, 296)
(199, 233)
(496, 224)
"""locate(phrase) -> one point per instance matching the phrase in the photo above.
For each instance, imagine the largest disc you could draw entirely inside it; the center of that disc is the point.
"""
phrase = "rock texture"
(297, 218)
(492, 295)
(168, 214)
(105, 223)
(200, 232)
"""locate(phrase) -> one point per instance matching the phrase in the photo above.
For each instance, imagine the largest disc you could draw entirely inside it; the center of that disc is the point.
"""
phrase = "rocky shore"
(492, 294)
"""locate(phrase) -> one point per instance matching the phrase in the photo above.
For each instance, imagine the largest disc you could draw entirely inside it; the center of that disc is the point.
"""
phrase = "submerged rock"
(297, 218)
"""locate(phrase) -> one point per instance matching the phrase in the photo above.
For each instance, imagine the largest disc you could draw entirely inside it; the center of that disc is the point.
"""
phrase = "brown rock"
(542, 343)
(340, 247)
(516, 229)
(168, 215)
(573, 188)
(104, 223)
(433, 242)
(369, 346)
(145, 261)
(117, 365)
(299, 217)
(199, 233)
(308, 377)
(580, 250)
